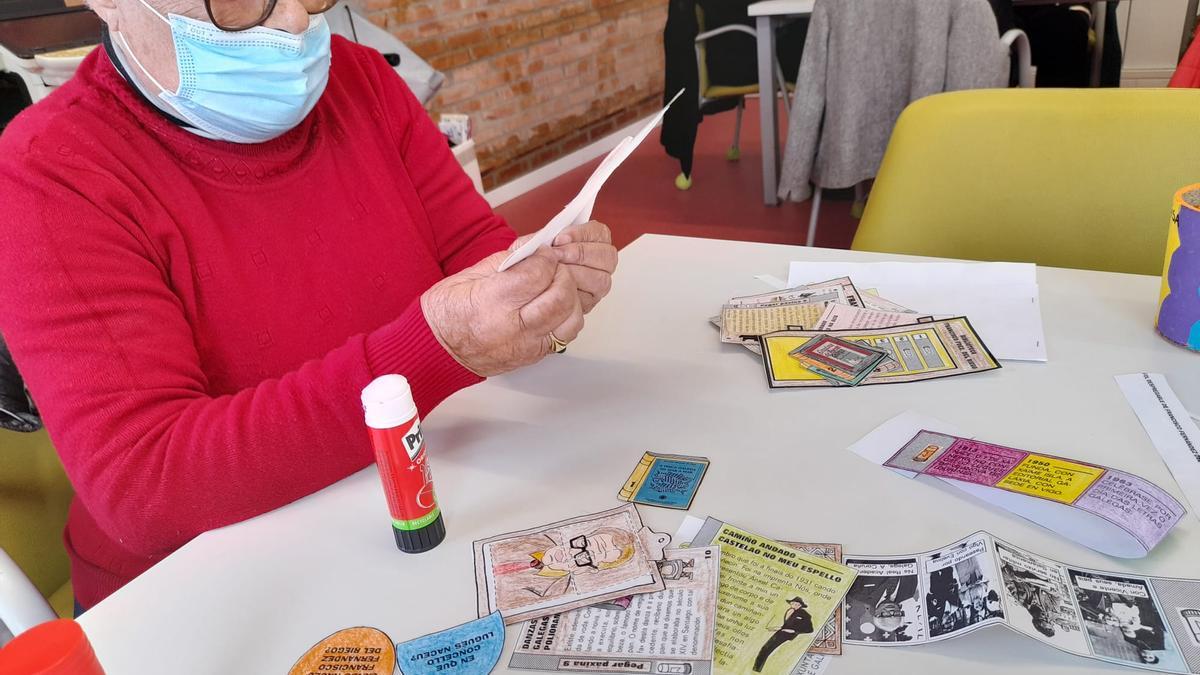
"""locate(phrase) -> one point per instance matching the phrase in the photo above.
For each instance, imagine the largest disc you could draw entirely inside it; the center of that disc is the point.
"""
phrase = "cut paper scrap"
(981, 581)
(351, 651)
(846, 317)
(472, 648)
(670, 631)
(579, 209)
(1165, 420)
(1077, 500)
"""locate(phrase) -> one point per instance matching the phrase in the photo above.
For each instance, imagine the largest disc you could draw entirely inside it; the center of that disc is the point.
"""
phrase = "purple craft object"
(1179, 315)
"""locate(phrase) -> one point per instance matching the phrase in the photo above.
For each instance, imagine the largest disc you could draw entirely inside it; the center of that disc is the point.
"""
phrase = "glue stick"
(56, 647)
(400, 453)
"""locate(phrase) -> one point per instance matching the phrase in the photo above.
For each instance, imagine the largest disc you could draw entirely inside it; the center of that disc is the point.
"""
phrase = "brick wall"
(540, 78)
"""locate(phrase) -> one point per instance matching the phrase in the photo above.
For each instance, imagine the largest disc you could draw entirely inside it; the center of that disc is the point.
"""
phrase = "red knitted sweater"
(196, 318)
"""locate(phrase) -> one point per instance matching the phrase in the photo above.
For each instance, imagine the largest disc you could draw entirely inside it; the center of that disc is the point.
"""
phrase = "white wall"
(1150, 33)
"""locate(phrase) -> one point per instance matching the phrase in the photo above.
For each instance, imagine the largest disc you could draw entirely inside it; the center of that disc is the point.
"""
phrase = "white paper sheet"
(1165, 420)
(1000, 299)
(579, 210)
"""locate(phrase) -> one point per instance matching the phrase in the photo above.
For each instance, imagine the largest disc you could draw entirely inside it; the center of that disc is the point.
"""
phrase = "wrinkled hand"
(493, 322)
(588, 253)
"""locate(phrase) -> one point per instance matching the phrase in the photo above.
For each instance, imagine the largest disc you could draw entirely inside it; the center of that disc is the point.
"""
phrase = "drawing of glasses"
(584, 557)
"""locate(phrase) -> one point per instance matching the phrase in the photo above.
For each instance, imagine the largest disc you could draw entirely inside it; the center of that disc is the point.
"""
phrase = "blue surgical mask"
(246, 86)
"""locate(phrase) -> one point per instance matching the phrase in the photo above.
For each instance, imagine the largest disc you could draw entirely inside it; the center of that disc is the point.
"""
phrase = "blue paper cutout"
(671, 483)
(468, 649)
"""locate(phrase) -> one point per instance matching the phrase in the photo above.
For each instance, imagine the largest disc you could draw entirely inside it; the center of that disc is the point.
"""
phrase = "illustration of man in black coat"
(796, 622)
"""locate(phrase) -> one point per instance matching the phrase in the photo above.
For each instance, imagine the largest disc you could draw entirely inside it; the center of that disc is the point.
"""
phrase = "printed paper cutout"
(844, 317)
(669, 631)
(1165, 420)
(352, 651)
(840, 361)
(472, 648)
(924, 351)
(746, 317)
(670, 481)
(566, 565)
(1109, 510)
(981, 581)
(802, 591)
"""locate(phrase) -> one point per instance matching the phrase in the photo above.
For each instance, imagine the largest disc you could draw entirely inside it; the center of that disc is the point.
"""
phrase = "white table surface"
(648, 373)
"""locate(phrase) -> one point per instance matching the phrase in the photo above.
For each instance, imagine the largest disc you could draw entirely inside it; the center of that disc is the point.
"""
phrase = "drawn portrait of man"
(796, 622)
(551, 566)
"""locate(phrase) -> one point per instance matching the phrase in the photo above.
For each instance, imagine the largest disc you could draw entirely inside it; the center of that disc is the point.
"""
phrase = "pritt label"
(404, 471)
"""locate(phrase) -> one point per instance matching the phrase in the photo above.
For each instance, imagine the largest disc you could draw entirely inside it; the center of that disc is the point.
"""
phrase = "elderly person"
(212, 239)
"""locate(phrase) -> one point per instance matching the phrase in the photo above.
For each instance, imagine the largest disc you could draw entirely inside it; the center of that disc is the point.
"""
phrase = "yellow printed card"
(925, 351)
(772, 600)
(1051, 478)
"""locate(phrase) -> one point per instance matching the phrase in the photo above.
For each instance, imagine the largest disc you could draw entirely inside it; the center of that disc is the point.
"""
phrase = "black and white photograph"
(1180, 602)
(1123, 620)
(1039, 599)
(884, 603)
(961, 588)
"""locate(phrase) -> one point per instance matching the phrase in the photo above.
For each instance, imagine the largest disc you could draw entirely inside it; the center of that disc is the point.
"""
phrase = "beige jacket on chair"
(864, 61)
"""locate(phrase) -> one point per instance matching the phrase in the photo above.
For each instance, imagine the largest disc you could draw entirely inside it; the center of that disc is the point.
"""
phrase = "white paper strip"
(1166, 421)
(579, 210)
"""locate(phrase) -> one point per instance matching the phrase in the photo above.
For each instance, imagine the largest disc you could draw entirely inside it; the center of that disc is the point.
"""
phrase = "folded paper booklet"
(925, 351)
(566, 565)
(1105, 509)
(664, 480)
(668, 631)
(773, 599)
(980, 581)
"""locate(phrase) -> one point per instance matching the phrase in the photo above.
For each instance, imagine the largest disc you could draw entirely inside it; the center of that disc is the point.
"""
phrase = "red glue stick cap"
(56, 647)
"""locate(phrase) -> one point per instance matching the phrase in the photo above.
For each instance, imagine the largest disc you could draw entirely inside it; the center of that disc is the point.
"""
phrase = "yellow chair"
(1077, 178)
(34, 496)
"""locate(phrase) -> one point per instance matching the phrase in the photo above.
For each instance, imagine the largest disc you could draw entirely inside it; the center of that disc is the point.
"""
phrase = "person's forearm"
(156, 467)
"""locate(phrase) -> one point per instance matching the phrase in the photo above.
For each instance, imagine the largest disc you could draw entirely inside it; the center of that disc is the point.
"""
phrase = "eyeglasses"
(235, 15)
(584, 557)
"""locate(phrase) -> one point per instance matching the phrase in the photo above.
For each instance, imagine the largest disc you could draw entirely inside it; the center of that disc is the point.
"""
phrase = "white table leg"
(766, 92)
(1099, 24)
